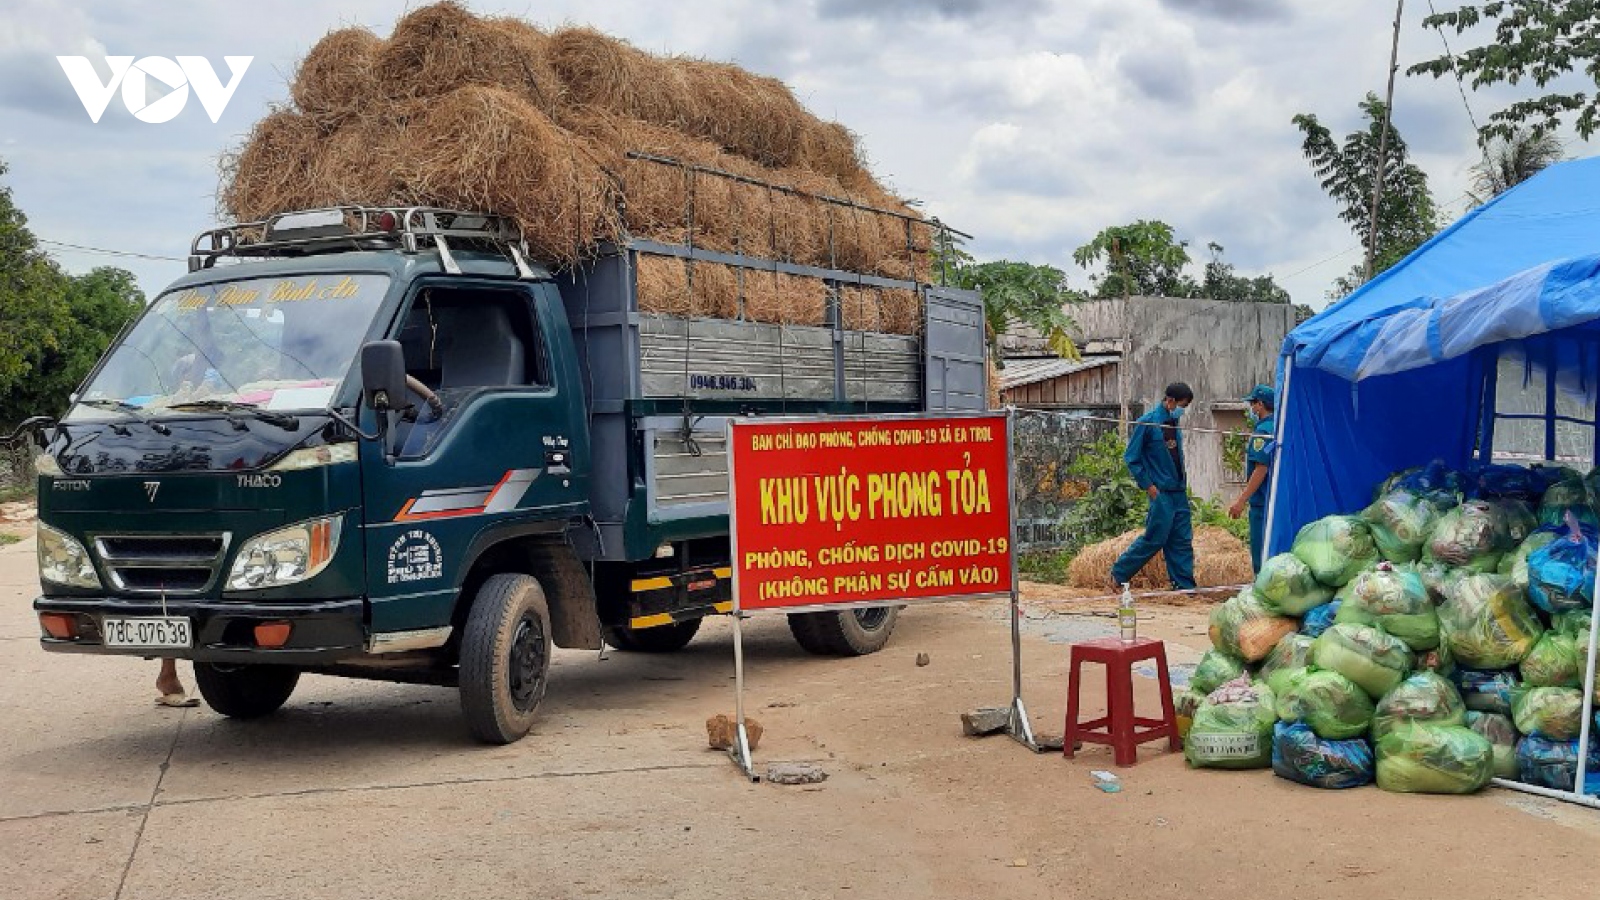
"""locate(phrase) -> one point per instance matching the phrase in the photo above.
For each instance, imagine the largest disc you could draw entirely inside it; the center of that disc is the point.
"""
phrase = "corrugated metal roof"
(1019, 372)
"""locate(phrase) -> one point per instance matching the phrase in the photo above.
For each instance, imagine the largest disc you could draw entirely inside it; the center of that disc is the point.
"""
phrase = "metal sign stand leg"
(1017, 724)
(740, 751)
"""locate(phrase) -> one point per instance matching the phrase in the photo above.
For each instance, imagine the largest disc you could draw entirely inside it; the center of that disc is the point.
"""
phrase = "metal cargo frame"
(654, 436)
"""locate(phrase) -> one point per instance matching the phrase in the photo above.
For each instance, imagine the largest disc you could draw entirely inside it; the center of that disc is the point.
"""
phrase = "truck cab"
(365, 443)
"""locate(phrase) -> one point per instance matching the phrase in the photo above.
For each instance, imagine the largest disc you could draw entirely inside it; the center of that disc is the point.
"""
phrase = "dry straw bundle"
(439, 48)
(482, 148)
(335, 82)
(490, 113)
(1220, 560)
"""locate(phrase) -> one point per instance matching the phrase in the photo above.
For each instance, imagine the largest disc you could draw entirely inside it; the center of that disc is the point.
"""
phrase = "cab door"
(497, 461)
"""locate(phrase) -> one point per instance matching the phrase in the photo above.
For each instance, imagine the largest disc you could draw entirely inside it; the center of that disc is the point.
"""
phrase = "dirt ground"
(370, 790)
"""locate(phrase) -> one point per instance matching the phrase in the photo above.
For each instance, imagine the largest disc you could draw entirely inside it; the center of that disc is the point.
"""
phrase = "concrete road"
(368, 790)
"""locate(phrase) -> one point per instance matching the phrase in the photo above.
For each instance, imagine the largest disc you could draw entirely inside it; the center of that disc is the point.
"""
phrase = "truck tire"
(245, 692)
(505, 658)
(854, 632)
(660, 639)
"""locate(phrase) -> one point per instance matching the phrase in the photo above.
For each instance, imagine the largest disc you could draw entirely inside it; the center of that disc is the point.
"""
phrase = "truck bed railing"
(349, 228)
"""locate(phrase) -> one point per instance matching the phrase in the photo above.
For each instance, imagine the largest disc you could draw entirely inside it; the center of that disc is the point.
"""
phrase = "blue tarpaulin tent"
(1406, 369)
(1487, 338)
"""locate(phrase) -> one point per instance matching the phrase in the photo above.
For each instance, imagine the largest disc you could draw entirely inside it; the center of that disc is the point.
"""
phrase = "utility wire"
(1461, 86)
(124, 253)
(1345, 252)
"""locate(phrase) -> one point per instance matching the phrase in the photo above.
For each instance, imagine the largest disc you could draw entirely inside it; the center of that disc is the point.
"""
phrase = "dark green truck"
(383, 444)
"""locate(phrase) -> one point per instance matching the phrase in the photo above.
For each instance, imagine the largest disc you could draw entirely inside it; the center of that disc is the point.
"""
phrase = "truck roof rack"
(340, 229)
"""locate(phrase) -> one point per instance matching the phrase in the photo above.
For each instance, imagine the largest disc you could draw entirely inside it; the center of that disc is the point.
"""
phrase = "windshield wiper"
(131, 410)
(282, 420)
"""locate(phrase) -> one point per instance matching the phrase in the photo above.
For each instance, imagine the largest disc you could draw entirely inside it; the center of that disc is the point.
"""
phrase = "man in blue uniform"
(1155, 459)
(1258, 458)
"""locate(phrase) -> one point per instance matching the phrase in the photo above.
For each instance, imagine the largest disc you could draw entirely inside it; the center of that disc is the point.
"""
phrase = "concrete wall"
(1220, 349)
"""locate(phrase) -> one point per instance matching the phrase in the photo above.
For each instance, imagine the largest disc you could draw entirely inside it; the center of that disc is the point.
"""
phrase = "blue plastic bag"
(1319, 619)
(1487, 691)
(1511, 482)
(1302, 757)
(1561, 573)
(1553, 764)
(1436, 482)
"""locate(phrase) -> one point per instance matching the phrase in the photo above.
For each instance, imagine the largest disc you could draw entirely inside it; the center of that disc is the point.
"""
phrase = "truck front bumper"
(321, 631)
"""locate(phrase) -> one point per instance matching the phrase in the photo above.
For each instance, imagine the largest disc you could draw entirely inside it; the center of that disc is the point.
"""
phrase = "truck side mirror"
(383, 375)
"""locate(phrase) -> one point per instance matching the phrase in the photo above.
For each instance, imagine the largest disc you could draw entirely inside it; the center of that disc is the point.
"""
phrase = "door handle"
(556, 462)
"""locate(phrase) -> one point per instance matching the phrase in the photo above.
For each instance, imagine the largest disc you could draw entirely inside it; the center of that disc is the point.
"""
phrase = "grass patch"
(14, 494)
(9, 538)
(1048, 566)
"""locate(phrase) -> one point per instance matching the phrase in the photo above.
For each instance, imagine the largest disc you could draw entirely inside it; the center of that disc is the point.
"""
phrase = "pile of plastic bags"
(1434, 641)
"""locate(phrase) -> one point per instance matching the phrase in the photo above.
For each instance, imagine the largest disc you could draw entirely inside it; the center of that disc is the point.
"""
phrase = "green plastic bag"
(1568, 493)
(1502, 736)
(1232, 729)
(1287, 586)
(1422, 699)
(1401, 523)
(1515, 563)
(1365, 655)
(1245, 629)
(1293, 652)
(1474, 535)
(1488, 622)
(1214, 670)
(1434, 759)
(1335, 707)
(1436, 578)
(1439, 661)
(1335, 548)
(1394, 599)
(1553, 662)
(1552, 712)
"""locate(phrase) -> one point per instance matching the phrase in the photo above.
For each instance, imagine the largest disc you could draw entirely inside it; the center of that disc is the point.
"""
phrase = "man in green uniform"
(1258, 459)
(1155, 459)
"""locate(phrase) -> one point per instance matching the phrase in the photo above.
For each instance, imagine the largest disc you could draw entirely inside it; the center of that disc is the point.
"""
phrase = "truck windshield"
(278, 343)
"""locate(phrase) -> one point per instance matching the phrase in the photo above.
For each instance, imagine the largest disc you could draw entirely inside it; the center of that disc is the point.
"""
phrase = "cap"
(1264, 394)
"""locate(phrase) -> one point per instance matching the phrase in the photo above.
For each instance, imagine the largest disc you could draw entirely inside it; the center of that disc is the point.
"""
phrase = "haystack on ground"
(493, 114)
(1220, 560)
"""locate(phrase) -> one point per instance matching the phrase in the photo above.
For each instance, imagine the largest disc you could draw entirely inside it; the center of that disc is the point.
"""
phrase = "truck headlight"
(315, 457)
(64, 561)
(285, 556)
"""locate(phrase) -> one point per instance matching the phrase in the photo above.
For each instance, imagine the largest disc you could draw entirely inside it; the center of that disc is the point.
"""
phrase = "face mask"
(1177, 413)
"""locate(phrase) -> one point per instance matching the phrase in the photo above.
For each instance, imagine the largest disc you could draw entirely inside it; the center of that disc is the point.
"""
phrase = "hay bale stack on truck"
(472, 404)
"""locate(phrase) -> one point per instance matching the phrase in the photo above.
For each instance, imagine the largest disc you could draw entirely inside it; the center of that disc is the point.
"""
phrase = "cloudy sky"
(1029, 123)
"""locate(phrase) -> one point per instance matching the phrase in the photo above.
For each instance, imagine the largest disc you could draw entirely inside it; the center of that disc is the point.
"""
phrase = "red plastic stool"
(1119, 727)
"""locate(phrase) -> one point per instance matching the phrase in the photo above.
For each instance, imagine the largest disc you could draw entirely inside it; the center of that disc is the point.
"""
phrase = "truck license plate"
(160, 631)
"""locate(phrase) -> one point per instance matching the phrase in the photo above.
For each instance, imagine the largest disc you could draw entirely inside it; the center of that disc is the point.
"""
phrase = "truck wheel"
(854, 632)
(245, 692)
(660, 639)
(505, 658)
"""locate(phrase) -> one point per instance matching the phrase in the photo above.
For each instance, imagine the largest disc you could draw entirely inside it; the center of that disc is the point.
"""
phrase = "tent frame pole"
(1282, 416)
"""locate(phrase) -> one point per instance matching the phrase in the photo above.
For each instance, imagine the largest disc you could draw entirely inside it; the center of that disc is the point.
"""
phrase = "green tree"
(1347, 171)
(1014, 293)
(55, 325)
(1534, 40)
(1222, 283)
(1508, 162)
(1144, 259)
